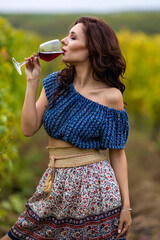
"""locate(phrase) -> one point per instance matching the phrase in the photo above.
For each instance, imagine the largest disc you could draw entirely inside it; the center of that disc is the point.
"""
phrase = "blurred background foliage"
(46, 24)
(23, 160)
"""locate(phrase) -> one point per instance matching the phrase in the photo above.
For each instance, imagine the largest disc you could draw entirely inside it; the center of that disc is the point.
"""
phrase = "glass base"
(17, 66)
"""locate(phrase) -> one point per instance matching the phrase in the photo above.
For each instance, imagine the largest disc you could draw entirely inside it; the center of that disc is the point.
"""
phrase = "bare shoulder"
(113, 98)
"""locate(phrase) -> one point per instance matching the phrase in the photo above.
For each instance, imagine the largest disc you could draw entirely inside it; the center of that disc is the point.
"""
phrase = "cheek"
(78, 47)
(84, 54)
(79, 50)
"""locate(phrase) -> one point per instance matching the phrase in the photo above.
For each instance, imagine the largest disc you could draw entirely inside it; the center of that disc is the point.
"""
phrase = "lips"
(63, 50)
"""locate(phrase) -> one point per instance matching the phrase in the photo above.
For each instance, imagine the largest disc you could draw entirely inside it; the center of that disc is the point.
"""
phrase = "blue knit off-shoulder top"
(82, 122)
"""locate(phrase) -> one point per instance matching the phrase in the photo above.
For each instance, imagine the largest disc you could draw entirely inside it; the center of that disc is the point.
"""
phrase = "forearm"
(119, 165)
(29, 113)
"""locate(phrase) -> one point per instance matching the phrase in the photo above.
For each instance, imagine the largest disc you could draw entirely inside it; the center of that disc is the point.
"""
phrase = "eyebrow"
(72, 32)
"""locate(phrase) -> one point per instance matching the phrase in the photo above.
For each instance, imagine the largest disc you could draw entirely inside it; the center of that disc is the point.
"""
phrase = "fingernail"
(119, 230)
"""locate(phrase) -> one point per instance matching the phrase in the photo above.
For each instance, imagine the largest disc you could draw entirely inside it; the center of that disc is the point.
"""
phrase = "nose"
(64, 41)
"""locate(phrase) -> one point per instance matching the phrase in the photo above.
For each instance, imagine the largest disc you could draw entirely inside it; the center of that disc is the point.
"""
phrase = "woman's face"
(74, 46)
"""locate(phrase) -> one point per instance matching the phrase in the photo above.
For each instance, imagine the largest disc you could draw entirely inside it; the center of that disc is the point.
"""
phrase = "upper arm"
(41, 105)
(114, 99)
(115, 155)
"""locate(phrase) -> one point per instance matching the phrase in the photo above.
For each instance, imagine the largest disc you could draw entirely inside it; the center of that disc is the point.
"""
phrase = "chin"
(67, 61)
(64, 61)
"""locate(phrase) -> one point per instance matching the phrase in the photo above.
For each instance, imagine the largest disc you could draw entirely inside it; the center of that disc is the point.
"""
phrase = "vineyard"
(143, 78)
(12, 89)
(142, 95)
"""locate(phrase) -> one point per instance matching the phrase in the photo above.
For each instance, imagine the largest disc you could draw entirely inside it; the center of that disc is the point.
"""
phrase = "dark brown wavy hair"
(105, 57)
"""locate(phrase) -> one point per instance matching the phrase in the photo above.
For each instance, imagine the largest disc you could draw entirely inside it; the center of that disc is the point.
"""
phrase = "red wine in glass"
(47, 51)
(48, 56)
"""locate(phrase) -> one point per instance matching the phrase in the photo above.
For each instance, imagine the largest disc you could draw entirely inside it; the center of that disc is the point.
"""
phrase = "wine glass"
(47, 51)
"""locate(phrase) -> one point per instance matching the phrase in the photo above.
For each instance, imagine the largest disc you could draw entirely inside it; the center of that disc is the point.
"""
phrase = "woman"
(80, 196)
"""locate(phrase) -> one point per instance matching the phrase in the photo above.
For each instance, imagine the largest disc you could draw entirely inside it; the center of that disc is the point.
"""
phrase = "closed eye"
(73, 35)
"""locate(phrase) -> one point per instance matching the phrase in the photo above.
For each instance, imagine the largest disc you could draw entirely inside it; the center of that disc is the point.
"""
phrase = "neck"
(83, 75)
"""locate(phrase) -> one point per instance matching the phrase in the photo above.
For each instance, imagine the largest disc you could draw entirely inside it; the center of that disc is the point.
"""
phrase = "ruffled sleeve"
(50, 85)
(115, 129)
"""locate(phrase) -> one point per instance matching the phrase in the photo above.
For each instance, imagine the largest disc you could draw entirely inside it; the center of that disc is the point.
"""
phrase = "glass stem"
(24, 62)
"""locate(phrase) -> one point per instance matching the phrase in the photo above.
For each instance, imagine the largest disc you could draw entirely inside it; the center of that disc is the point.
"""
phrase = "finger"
(127, 231)
(120, 226)
(29, 62)
(124, 230)
(35, 59)
(27, 59)
(36, 63)
(31, 57)
(30, 65)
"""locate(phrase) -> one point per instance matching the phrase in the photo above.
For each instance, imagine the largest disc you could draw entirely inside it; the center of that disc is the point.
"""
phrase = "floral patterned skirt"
(84, 204)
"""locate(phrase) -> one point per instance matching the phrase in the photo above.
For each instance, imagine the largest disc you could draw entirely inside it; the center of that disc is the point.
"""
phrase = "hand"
(124, 223)
(33, 69)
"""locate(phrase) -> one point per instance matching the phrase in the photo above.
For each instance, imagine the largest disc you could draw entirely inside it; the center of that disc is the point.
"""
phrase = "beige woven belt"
(69, 157)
